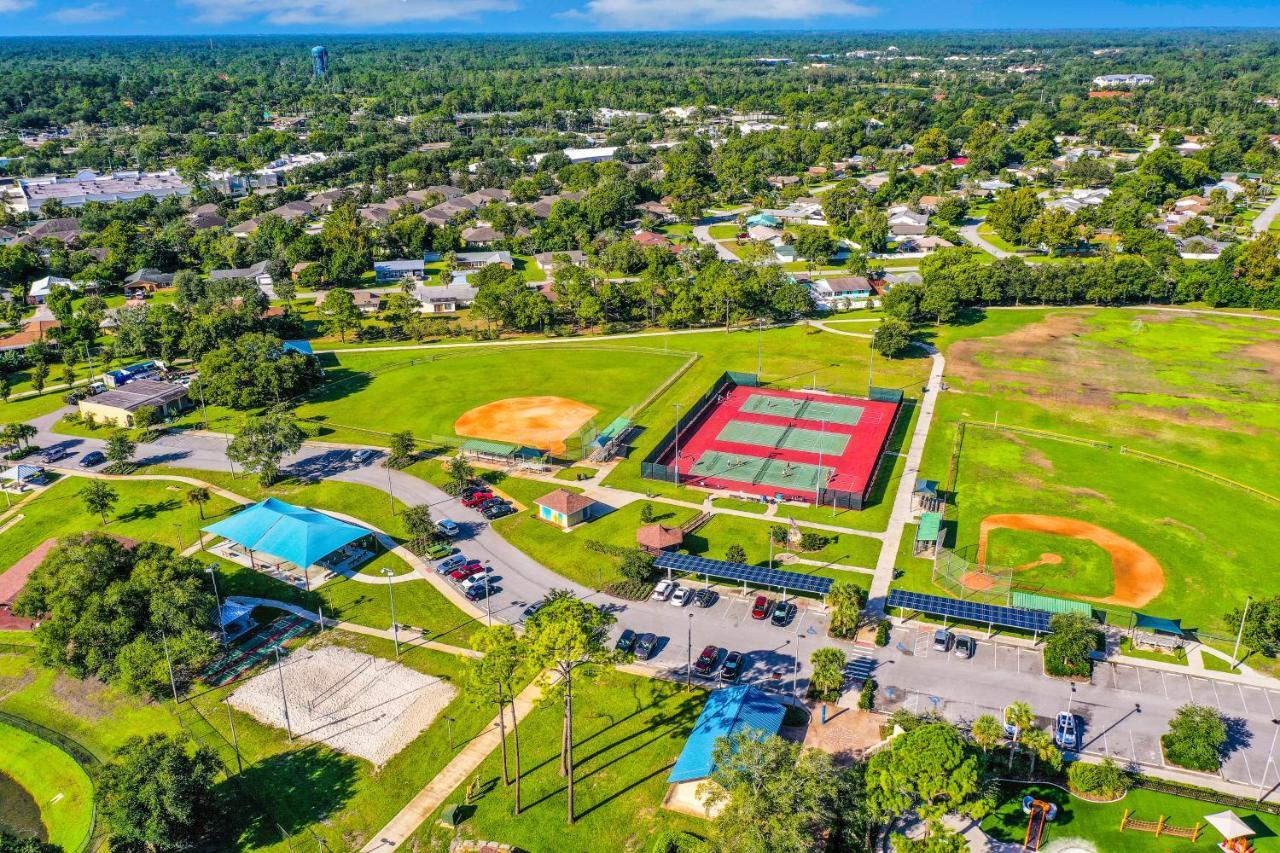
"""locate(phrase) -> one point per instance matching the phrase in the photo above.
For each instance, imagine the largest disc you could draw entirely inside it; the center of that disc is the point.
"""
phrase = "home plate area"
(352, 702)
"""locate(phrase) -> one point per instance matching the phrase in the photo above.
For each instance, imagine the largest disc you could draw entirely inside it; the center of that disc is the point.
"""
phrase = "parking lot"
(1123, 710)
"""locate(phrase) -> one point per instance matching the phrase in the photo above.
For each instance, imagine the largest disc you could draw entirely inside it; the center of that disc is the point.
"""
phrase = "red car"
(477, 498)
(473, 567)
(760, 610)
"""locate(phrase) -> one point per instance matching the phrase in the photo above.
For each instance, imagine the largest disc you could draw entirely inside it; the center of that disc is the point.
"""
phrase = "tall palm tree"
(1020, 716)
(198, 496)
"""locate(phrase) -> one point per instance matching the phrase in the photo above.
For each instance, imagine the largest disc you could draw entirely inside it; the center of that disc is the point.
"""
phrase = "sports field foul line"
(756, 470)
(805, 410)
(784, 437)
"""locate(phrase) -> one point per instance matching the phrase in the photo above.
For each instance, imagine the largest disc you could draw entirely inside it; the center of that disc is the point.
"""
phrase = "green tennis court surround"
(798, 409)
(784, 437)
(760, 471)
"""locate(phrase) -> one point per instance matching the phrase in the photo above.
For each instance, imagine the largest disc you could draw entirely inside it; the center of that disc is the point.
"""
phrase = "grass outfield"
(147, 510)
(426, 392)
(54, 780)
(1083, 564)
(792, 357)
(628, 732)
(1099, 823)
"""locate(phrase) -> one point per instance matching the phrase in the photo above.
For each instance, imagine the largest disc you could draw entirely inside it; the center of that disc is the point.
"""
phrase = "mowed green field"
(1046, 559)
(59, 786)
(1200, 390)
(425, 392)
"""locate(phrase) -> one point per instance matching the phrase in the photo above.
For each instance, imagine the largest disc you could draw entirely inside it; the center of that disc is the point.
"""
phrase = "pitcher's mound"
(541, 422)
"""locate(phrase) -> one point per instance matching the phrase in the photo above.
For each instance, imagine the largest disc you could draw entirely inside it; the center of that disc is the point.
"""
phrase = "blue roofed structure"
(303, 347)
(727, 712)
(299, 535)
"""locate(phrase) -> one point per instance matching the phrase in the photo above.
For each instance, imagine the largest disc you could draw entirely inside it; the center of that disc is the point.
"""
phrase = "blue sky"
(158, 17)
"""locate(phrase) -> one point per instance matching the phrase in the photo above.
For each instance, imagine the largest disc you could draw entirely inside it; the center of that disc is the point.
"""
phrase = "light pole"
(284, 697)
(795, 678)
(235, 741)
(1262, 789)
(395, 629)
(217, 602)
(450, 721)
(1235, 653)
(688, 670)
(675, 463)
(817, 480)
(1071, 697)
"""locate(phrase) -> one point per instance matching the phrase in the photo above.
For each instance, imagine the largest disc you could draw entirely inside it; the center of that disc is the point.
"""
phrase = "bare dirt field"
(1138, 575)
(541, 422)
(353, 702)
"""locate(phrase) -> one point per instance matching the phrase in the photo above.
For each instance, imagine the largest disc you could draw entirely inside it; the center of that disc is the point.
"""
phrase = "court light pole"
(675, 463)
(688, 670)
(817, 480)
(217, 601)
(395, 629)
(235, 740)
(284, 697)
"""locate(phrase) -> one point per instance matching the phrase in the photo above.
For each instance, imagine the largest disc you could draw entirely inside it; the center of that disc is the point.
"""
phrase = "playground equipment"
(1159, 827)
(1039, 813)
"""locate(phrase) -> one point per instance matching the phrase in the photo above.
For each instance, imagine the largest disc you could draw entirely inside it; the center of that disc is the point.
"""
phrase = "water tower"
(319, 61)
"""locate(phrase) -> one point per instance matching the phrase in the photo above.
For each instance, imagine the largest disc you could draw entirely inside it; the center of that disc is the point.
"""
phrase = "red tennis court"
(788, 444)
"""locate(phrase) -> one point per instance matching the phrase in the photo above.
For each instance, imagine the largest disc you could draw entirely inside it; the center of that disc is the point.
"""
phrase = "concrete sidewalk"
(456, 772)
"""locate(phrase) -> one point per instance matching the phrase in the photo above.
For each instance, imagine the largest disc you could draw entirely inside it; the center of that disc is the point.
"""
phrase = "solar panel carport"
(1036, 621)
(757, 575)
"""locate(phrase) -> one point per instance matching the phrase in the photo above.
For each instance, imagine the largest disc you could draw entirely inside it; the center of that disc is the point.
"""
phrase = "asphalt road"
(1125, 709)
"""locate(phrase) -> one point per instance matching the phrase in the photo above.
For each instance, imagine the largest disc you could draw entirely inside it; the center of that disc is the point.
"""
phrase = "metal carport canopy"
(758, 575)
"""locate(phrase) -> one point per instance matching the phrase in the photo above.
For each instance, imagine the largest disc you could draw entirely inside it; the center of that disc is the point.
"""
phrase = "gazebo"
(658, 537)
(1233, 829)
(294, 535)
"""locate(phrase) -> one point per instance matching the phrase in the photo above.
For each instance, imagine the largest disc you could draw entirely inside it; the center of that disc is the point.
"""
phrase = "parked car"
(363, 455)
(53, 454)
(1065, 734)
(448, 564)
(497, 511)
(706, 662)
(732, 667)
(626, 642)
(942, 640)
(439, 551)
(682, 596)
(532, 610)
(480, 591)
(477, 498)
(646, 645)
(97, 388)
(92, 458)
(762, 607)
(664, 590)
(448, 528)
(965, 647)
(784, 613)
(705, 597)
(478, 578)
(473, 567)
(1009, 728)
(468, 491)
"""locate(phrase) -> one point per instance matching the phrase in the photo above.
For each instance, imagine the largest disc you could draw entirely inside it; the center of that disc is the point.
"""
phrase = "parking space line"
(1166, 685)
(1270, 707)
(1216, 697)
(1137, 671)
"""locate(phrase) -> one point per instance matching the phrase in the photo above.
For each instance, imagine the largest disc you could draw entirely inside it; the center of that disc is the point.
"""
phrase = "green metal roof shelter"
(1050, 604)
(481, 447)
(296, 534)
(929, 528)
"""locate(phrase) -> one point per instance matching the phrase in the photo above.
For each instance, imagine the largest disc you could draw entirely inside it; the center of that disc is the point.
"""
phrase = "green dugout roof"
(493, 448)
(1032, 601)
(930, 526)
(615, 428)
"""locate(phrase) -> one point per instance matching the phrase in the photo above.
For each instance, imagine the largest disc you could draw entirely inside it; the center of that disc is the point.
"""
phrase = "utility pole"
(284, 698)
(391, 495)
(235, 740)
(675, 463)
(173, 685)
(395, 629)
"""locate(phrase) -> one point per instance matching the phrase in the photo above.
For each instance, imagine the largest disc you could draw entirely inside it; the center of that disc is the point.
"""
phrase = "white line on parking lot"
(1270, 707)
(1165, 683)
(1137, 671)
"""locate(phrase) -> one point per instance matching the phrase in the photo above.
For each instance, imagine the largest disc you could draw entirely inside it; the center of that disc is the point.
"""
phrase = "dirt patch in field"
(541, 422)
(1137, 576)
(81, 697)
(1086, 492)
(1046, 559)
(1268, 353)
(1027, 342)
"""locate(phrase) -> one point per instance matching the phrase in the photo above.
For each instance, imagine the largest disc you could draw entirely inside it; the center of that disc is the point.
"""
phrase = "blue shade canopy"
(727, 712)
(297, 534)
(1157, 623)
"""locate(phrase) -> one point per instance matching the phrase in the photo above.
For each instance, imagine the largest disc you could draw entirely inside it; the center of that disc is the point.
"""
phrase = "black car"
(93, 457)
(497, 511)
(646, 646)
(705, 597)
(732, 667)
(479, 591)
(627, 642)
(532, 609)
(706, 662)
(492, 502)
(784, 613)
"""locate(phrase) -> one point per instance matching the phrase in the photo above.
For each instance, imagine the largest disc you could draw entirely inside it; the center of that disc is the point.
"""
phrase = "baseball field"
(1185, 535)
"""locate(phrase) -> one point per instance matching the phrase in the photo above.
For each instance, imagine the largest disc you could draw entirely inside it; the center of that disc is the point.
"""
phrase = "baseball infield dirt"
(1138, 576)
(541, 422)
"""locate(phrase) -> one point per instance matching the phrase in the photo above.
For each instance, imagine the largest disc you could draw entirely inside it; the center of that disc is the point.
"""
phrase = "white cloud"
(90, 14)
(672, 14)
(14, 5)
(343, 13)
